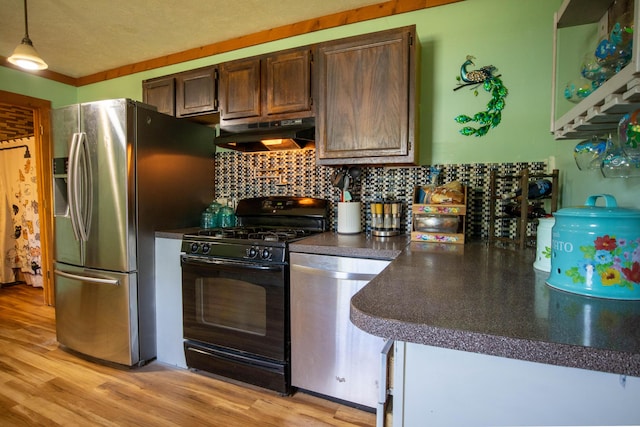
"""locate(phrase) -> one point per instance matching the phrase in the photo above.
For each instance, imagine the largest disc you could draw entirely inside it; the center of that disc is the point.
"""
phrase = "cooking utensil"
(338, 180)
(594, 250)
(346, 195)
(354, 172)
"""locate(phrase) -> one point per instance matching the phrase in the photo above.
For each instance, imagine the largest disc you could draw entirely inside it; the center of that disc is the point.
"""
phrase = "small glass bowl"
(589, 154)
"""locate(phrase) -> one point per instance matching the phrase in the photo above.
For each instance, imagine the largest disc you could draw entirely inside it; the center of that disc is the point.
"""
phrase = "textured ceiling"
(83, 37)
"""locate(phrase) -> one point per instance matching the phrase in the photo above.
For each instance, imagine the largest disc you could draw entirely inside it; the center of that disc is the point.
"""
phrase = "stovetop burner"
(228, 233)
(266, 225)
(253, 233)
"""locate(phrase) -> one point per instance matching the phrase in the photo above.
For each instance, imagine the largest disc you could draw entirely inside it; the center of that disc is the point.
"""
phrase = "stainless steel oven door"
(236, 305)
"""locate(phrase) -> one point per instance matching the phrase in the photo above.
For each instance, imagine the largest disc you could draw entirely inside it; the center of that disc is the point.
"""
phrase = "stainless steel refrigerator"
(121, 171)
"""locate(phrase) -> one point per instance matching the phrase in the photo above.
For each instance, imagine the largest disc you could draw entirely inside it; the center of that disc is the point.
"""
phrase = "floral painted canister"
(595, 250)
(543, 244)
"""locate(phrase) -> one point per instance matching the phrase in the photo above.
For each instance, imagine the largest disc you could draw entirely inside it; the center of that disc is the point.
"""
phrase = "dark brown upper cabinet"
(190, 94)
(161, 93)
(239, 89)
(196, 92)
(366, 110)
(265, 88)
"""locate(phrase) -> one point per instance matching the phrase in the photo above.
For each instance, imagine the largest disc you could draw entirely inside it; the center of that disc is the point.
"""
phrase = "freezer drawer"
(330, 355)
(96, 313)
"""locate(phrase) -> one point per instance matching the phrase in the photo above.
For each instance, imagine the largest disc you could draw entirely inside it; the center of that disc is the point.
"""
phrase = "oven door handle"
(196, 261)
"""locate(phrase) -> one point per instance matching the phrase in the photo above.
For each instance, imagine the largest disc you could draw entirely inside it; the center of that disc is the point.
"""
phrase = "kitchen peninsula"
(469, 320)
(482, 340)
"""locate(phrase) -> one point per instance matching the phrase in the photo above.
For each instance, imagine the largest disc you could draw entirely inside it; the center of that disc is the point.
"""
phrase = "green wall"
(27, 84)
(516, 36)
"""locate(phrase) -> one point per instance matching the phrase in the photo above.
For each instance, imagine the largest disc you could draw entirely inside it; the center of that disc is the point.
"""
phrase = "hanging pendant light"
(25, 55)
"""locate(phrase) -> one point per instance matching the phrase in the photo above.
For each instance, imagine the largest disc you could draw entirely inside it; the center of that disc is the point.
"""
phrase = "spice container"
(386, 218)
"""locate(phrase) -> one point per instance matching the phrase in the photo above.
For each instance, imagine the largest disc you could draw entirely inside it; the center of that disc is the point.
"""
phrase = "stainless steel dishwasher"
(330, 355)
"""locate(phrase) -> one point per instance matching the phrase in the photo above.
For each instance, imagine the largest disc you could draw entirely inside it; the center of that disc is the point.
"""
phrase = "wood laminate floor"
(43, 385)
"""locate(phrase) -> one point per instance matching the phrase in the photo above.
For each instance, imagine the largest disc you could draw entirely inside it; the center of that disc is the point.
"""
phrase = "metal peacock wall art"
(484, 76)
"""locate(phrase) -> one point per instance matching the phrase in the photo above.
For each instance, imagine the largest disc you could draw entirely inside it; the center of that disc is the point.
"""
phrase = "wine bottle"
(515, 209)
(536, 190)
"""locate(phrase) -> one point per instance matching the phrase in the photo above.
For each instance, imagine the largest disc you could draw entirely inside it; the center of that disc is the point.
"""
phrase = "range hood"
(268, 136)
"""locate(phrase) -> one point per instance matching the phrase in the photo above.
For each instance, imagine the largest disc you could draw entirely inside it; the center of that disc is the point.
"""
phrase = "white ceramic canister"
(349, 218)
(543, 244)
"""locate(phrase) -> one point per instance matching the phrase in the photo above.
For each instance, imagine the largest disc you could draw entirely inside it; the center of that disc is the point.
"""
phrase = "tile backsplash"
(295, 173)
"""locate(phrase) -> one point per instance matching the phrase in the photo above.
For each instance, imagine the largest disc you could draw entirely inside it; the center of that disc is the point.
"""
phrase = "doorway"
(41, 109)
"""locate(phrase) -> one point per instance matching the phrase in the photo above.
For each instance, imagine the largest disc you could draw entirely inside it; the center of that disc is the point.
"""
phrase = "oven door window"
(232, 304)
(238, 306)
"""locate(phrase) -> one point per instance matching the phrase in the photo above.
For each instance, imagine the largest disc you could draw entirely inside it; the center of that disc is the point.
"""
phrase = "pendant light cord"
(26, 21)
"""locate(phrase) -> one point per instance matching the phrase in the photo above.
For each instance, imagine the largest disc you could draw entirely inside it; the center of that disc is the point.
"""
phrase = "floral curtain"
(19, 222)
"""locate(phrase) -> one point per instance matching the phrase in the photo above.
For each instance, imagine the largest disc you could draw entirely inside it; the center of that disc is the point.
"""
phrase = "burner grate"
(255, 233)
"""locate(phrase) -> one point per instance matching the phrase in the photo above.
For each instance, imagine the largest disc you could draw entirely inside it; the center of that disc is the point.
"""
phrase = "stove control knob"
(194, 247)
(206, 248)
(251, 253)
(265, 253)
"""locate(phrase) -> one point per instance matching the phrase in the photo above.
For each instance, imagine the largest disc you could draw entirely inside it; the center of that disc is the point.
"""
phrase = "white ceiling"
(83, 37)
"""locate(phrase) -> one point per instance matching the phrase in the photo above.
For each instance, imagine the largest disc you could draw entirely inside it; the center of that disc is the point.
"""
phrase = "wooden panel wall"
(15, 122)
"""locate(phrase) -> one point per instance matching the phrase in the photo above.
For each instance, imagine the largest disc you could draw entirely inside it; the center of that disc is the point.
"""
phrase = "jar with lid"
(227, 217)
(214, 209)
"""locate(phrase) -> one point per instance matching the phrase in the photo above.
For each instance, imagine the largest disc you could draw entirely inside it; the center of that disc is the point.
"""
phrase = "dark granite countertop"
(490, 300)
(175, 234)
(358, 245)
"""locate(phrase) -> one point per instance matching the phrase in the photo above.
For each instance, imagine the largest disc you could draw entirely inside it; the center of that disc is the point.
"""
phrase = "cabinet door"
(366, 110)
(160, 93)
(196, 92)
(240, 89)
(497, 391)
(287, 82)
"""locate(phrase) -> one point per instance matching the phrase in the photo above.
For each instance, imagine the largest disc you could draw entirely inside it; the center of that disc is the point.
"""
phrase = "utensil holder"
(349, 218)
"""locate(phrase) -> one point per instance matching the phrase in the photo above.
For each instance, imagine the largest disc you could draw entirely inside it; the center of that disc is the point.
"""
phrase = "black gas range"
(235, 285)
(260, 244)
(265, 226)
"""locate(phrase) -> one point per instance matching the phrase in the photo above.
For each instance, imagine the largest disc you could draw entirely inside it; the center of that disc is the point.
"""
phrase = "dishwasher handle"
(342, 275)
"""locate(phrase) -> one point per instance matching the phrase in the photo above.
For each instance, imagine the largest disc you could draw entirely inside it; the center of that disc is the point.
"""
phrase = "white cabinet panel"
(169, 303)
(454, 388)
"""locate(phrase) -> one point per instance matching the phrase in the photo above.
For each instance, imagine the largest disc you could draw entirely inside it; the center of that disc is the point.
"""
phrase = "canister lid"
(609, 210)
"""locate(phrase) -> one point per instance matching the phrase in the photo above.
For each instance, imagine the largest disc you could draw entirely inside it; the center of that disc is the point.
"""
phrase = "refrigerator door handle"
(80, 186)
(72, 184)
(85, 202)
(114, 282)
